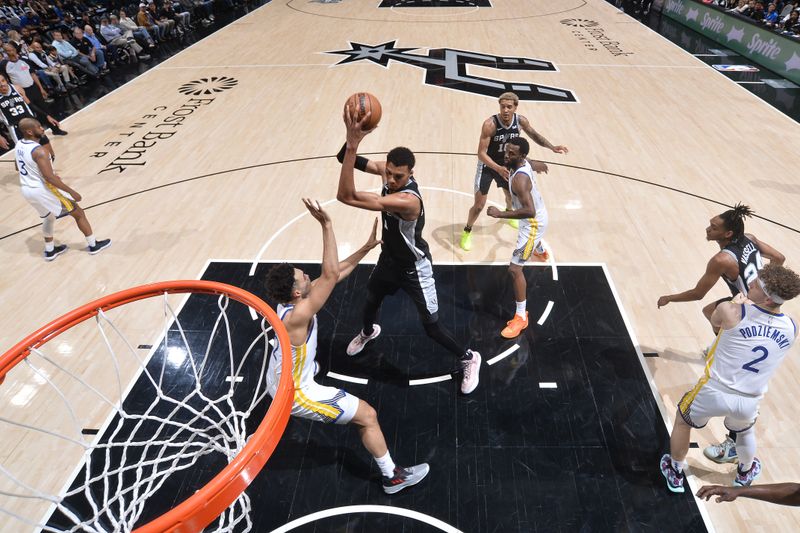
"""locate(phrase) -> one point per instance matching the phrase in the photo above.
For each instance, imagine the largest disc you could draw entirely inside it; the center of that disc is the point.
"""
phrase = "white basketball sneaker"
(361, 340)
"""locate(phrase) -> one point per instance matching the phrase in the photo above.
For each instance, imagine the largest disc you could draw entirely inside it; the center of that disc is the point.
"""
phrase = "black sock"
(468, 229)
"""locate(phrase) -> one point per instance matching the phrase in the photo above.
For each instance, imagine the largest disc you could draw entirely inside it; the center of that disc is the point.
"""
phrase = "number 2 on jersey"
(749, 366)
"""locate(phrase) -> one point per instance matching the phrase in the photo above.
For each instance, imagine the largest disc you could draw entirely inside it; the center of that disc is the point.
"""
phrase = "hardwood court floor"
(658, 141)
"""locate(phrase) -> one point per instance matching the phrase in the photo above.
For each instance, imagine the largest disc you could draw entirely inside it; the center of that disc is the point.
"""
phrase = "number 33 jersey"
(745, 357)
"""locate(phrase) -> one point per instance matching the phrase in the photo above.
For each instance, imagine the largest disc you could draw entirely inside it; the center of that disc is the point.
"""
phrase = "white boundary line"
(547, 385)
(546, 312)
(426, 381)
(351, 379)
(502, 355)
(690, 478)
(353, 509)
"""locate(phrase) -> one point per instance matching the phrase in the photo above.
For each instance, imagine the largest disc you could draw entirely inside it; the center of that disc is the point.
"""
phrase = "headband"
(774, 297)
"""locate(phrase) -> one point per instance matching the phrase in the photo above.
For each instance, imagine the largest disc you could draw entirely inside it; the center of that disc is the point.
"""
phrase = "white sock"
(91, 240)
(386, 465)
(49, 246)
(678, 466)
(521, 306)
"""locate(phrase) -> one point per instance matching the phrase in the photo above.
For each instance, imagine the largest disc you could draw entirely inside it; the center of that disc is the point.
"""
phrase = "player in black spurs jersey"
(14, 106)
(737, 263)
(496, 131)
(405, 260)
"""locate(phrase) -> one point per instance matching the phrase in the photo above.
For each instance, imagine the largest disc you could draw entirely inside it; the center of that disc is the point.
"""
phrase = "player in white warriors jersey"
(528, 208)
(753, 339)
(46, 192)
(299, 301)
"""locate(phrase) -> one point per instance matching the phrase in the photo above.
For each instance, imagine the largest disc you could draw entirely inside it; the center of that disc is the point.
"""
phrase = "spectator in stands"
(116, 37)
(757, 13)
(771, 17)
(167, 26)
(37, 59)
(792, 22)
(180, 21)
(85, 47)
(64, 70)
(15, 39)
(787, 10)
(202, 9)
(30, 20)
(27, 35)
(4, 25)
(99, 48)
(178, 13)
(128, 25)
(61, 74)
(71, 56)
(144, 20)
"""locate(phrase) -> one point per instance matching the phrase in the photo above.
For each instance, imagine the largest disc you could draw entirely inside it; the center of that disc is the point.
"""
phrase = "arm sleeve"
(361, 162)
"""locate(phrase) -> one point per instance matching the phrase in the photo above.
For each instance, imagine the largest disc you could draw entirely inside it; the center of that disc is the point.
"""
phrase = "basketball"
(364, 103)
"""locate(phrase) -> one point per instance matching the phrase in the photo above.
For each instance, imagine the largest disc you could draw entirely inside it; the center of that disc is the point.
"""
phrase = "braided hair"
(733, 220)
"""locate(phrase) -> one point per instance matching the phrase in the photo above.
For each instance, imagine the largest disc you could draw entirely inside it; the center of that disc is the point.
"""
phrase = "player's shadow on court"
(671, 354)
(298, 452)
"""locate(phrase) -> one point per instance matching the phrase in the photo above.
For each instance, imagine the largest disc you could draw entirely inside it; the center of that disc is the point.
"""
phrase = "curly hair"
(280, 282)
(733, 219)
(780, 281)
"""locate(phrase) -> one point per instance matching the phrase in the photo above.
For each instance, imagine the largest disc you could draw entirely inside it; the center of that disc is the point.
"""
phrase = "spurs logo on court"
(447, 68)
(580, 23)
(214, 84)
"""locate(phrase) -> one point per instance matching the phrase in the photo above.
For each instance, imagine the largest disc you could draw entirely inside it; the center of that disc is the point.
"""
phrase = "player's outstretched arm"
(347, 266)
(774, 256)
(42, 159)
(321, 287)
(538, 138)
(780, 493)
(714, 269)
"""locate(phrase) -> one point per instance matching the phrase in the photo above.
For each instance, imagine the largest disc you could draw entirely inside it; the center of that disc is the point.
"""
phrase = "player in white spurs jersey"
(529, 209)
(753, 340)
(46, 192)
(300, 299)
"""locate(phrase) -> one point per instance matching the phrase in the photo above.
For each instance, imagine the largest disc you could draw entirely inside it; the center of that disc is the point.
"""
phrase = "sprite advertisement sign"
(773, 51)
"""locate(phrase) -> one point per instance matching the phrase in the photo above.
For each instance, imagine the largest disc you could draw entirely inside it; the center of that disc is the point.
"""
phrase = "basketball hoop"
(209, 421)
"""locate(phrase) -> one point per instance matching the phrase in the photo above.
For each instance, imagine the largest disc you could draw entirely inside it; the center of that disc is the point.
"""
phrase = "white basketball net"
(189, 425)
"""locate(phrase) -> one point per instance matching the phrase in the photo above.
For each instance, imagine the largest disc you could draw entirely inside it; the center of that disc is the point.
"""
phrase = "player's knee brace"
(47, 225)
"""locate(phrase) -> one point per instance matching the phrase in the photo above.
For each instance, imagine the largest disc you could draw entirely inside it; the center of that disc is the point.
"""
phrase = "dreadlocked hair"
(280, 282)
(733, 219)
